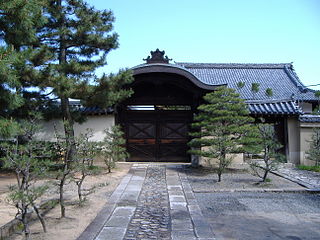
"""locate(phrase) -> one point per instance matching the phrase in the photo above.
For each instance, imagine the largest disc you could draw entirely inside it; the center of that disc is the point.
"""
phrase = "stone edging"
(93, 229)
(301, 183)
(292, 190)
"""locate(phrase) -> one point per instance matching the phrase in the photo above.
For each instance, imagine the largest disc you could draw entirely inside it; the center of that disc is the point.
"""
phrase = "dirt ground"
(78, 217)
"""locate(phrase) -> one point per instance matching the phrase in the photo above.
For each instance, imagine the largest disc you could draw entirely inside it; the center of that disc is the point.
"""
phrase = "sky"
(218, 31)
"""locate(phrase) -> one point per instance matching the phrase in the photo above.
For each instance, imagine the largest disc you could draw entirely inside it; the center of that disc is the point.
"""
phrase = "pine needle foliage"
(314, 151)
(75, 42)
(255, 87)
(87, 150)
(112, 148)
(316, 110)
(269, 92)
(27, 158)
(18, 22)
(222, 128)
(269, 146)
(66, 41)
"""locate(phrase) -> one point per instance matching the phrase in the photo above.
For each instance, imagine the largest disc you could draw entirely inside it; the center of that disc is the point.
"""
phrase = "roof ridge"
(234, 65)
(264, 101)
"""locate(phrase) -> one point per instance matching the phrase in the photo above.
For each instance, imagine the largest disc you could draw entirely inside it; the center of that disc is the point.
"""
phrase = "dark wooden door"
(158, 135)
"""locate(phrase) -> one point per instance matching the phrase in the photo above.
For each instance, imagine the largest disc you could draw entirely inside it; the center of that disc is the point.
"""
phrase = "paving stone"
(174, 188)
(118, 221)
(177, 198)
(124, 211)
(176, 193)
(192, 201)
(189, 195)
(183, 235)
(194, 208)
(114, 233)
(138, 178)
(180, 214)
(203, 232)
(178, 206)
(185, 224)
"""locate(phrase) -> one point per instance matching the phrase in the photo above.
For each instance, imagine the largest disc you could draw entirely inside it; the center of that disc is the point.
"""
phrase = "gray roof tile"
(306, 118)
(281, 78)
(273, 108)
(96, 110)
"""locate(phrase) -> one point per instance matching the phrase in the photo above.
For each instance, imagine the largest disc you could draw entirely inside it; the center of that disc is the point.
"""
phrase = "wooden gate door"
(158, 135)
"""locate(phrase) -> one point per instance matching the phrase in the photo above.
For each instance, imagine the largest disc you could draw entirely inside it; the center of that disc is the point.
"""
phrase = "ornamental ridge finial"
(157, 56)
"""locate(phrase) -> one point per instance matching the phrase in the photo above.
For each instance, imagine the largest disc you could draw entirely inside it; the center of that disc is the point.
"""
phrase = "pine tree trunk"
(68, 130)
(80, 187)
(40, 218)
(24, 220)
(266, 160)
(24, 205)
(65, 108)
(219, 176)
(61, 200)
(266, 171)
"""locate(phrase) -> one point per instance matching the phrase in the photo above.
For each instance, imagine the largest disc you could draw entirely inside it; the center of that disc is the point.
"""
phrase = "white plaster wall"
(293, 140)
(306, 107)
(306, 131)
(237, 159)
(97, 123)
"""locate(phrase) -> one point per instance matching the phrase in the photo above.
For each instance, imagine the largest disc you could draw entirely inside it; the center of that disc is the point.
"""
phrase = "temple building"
(156, 118)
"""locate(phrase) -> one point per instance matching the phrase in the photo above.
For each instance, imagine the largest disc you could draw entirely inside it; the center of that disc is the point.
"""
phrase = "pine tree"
(314, 151)
(240, 86)
(60, 45)
(86, 152)
(69, 41)
(255, 89)
(223, 128)
(269, 146)
(26, 157)
(112, 148)
(317, 108)
(76, 40)
(269, 92)
(8, 80)
(18, 22)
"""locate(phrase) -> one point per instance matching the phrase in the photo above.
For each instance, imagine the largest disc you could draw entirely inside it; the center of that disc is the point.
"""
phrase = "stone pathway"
(151, 219)
(308, 179)
(154, 201)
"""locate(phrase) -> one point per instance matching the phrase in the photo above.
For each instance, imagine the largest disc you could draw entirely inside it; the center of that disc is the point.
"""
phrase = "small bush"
(268, 180)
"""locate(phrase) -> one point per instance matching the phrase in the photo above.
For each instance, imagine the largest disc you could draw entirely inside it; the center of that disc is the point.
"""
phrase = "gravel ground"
(262, 215)
(205, 180)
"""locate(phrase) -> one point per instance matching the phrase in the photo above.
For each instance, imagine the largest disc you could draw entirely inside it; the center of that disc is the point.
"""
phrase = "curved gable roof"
(176, 69)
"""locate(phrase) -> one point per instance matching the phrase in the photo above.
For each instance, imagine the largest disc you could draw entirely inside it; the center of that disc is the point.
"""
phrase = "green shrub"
(309, 168)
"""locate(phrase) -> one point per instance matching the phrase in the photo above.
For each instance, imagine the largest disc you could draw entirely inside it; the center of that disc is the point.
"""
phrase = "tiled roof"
(306, 118)
(274, 108)
(281, 78)
(96, 110)
(255, 107)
